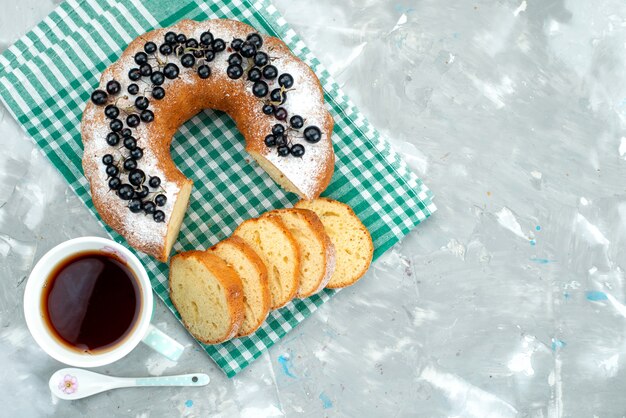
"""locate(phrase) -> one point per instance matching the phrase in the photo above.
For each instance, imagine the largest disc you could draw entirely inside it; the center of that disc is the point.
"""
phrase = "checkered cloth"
(48, 75)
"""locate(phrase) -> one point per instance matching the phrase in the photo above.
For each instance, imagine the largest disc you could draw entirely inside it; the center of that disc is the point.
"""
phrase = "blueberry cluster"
(260, 71)
(135, 192)
(139, 196)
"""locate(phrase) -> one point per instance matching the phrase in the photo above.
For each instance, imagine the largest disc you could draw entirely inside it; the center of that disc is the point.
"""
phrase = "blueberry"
(99, 97)
(268, 109)
(130, 164)
(112, 170)
(235, 59)
(130, 143)
(297, 150)
(116, 125)
(278, 96)
(281, 140)
(157, 78)
(234, 71)
(283, 151)
(113, 87)
(111, 112)
(296, 122)
(254, 74)
(141, 58)
(142, 102)
(160, 200)
(159, 216)
(171, 70)
(150, 47)
(312, 134)
(187, 60)
(142, 192)
(278, 129)
(136, 177)
(260, 88)
(281, 113)
(134, 74)
(218, 45)
(270, 141)
(137, 153)
(147, 116)
(261, 59)
(204, 71)
(170, 37)
(145, 70)
(154, 182)
(179, 50)
(133, 88)
(206, 38)
(149, 207)
(134, 205)
(247, 50)
(255, 39)
(270, 72)
(236, 44)
(113, 139)
(132, 120)
(125, 191)
(285, 80)
(115, 183)
(158, 93)
(165, 49)
(107, 159)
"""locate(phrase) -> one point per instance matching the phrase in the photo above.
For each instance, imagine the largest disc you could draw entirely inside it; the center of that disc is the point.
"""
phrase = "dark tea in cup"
(91, 301)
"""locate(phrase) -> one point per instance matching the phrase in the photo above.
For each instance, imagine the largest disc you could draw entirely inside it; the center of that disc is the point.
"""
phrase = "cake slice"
(208, 294)
(273, 242)
(317, 254)
(251, 269)
(353, 244)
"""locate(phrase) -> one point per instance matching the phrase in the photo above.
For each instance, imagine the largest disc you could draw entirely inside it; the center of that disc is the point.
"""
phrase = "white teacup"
(142, 330)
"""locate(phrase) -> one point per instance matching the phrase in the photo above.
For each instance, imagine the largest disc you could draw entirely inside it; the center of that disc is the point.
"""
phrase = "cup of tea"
(88, 302)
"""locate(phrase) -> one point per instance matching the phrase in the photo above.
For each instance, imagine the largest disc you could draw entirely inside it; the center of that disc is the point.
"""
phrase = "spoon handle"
(193, 379)
(72, 383)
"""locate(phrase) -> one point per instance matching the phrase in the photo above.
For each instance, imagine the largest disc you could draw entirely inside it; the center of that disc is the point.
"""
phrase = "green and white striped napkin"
(47, 76)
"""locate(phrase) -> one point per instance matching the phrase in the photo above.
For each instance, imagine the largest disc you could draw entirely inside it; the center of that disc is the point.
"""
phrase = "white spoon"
(74, 383)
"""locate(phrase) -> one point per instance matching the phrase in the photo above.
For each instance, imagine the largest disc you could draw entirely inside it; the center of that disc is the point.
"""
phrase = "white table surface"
(510, 301)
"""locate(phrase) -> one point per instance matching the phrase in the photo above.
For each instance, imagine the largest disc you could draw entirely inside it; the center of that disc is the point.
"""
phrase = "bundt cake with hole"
(353, 243)
(166, 76)
(317, 253)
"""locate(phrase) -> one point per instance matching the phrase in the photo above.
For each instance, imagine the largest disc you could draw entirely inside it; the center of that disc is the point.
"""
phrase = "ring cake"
(166, 76)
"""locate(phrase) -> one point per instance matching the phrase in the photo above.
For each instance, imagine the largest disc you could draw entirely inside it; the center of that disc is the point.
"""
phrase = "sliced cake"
(273, 242)
(317, 255)
(208, 294)
(353, 244)
(251, 269)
